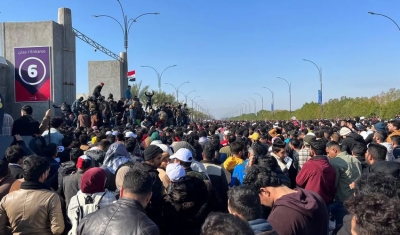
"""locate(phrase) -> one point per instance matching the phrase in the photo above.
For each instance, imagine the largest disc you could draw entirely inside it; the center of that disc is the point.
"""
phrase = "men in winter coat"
(14, 155)
(349, 139)
(127, 216)
(375, 157)
(97, 91)
(71, 183)
(317, 174)
(301, 209)
(34, 209)
(25, 125)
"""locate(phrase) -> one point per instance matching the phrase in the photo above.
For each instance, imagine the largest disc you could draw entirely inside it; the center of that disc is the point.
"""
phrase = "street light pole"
(245, 108)
(262, 101)
(255, 109)
(125, 26)
(249, 106)
(186, 95)
(320, 83)
(193, 100)
(273, 102)
(176, 89)
(158, 74)
(290, 94)
(373, 13)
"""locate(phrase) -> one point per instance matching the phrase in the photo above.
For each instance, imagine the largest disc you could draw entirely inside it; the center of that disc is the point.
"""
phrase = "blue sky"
(230, 49)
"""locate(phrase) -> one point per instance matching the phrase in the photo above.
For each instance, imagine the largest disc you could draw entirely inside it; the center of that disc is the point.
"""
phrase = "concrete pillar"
(69, 56)
(124, 78)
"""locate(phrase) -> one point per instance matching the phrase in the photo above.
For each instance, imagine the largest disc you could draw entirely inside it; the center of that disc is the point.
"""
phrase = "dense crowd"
(98, 111)
(120, 176)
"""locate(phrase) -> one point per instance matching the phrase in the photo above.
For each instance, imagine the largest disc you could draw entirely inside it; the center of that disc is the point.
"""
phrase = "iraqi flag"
(131, 75)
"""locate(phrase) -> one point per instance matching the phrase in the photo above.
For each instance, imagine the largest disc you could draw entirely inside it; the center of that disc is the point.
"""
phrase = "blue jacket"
(238, 174)
(128, 94)
(259, 225)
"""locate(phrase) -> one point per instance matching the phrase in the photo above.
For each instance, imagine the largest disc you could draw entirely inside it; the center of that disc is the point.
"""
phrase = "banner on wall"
(32, 74)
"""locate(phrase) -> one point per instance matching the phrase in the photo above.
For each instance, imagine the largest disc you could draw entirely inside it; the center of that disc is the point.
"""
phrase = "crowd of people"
(313, 177)
(98, 111)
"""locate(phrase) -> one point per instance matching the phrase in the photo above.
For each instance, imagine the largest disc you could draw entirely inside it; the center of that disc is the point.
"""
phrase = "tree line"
(386, 106)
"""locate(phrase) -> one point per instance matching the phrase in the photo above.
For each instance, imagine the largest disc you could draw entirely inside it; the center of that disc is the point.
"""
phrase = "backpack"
(87, 205)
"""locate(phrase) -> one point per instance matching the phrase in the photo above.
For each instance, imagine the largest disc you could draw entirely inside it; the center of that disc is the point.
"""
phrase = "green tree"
(386, 105)
(161, 97)
(138, 90)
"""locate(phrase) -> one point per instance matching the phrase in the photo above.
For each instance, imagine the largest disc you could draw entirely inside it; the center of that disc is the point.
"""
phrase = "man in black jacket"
(97, 91)
(152, 160)
(14, 155)
(127, 215)
(349, 139)
(375, 157)
(25, 125)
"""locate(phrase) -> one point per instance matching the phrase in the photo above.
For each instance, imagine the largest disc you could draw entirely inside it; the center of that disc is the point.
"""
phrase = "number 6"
(32, 72)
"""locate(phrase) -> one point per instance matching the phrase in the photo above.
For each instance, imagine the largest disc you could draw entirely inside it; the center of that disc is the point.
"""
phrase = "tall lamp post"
(373, 13)
(255, 109)
(193, 100)
(290, 94)
(245, 108)
(262, 101)
(249, 106)
(186, 95)
(159, 75)
(177, 89)
(273, 102)
(240, 108)
(125, 27)
(320, 83)
(193, 110)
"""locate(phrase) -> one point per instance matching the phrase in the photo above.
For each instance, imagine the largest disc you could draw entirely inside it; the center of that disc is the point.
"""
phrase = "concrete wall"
(61, 39)
(25, 35)
(109, 72)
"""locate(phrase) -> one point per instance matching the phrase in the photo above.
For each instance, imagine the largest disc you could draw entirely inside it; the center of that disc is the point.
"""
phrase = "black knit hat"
(151, 152)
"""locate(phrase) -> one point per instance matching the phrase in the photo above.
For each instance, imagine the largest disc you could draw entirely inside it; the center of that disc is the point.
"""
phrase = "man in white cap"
(184, 157)
(175, 172)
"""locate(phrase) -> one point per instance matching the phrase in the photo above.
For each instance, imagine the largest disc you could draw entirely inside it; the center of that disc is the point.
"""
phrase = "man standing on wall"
(97, 91)
(128, 93)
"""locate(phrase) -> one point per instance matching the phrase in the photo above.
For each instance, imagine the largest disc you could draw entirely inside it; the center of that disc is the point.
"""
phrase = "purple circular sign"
(32, 71)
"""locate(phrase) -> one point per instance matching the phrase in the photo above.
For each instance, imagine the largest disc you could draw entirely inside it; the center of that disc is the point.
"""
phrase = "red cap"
(102, 83)
(83, 162)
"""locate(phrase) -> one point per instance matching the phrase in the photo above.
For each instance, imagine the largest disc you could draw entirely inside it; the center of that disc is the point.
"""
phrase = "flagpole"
(49, 121)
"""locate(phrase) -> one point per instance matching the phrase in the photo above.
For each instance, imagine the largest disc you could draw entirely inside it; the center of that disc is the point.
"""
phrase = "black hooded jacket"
(350, 140)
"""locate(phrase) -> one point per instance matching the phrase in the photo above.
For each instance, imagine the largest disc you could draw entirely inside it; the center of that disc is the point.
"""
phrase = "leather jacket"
(125, 217)
(31, 210)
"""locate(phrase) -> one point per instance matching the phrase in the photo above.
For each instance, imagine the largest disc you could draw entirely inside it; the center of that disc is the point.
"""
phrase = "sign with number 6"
(32, 74)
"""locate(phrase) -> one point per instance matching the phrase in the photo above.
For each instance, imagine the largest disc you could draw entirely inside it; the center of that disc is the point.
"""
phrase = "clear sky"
(230, 49)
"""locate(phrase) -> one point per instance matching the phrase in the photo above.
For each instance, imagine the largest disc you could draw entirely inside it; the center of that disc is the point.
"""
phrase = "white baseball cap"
(130, 134)
(175, 171)
(183, 155)
(226, 132)
(108, 133)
